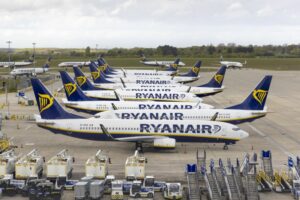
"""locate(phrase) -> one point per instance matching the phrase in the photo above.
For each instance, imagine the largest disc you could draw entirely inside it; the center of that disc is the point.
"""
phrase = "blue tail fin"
(108, 66)
(48, 106)
(257, 99)
(173, 67)
(73, 92)
(97, 75)
(194, 71)
(83, 82)
(217, 80)
(47, 62)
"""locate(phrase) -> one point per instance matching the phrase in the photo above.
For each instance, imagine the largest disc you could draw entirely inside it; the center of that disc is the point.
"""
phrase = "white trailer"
(97, 166)
(60, 165)
(135, 167)
(8, 160)
(30, 166)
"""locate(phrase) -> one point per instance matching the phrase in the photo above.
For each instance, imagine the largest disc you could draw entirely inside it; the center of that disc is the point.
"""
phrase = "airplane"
(163, 134)
(145, 61)
(72, 63)
(71, 86)
(232, 64)
(170, 70)
(212, 87)
(33, 71)
(19, 63)
(253, 107)
(76, 99)
(190, 76)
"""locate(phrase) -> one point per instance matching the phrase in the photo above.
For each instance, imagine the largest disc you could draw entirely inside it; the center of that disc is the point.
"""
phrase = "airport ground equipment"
(281, 183)
(47, 190)
(117, 190)
(266, 158)
(231, 182)
(201, 163)
(150, 182)
(265, 177)
(81, 191)
(8, 160)
(107, 186)
(96, 190)
(126, 186)
(69, 184)
(30, 165)
(192, 180)
(97, 165)
(60, 165)
(296, 189)
(138, 191)
(264, 182)
(5, 143)
(173, 191)
(212, 185)
(250, 184)
(135, 167)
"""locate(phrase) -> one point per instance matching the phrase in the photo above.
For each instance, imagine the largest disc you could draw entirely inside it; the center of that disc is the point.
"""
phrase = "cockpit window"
(236, 129)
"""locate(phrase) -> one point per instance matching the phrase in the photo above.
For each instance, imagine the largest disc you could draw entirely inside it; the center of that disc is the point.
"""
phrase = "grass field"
(259, 63)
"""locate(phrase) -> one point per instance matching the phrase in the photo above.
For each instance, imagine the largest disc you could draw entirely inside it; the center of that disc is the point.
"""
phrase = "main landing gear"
(225, 147)
(139, 147)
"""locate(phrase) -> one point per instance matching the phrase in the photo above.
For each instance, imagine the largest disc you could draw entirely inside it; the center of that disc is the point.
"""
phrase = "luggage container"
(81, 191)
(173, 191)
(60, 165)
(30, 166)
(97, 166)
(8, 160)
(96, 189)
(135, 167)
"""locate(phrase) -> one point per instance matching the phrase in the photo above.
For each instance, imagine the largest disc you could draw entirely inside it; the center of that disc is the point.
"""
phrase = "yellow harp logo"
(70, 88)
(96, 74)
(81, 80)
(45, 101)
(259, 95)
(219, 78)
(174, 66)
(196, 70)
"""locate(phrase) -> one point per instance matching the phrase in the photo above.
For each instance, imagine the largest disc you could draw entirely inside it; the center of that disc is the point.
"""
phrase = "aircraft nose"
(243, 134)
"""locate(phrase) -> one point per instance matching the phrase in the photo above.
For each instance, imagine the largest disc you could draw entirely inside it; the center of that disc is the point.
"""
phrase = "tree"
(87, 51)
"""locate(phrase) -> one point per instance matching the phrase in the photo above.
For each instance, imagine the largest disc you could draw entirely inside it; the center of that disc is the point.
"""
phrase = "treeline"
(230, 51)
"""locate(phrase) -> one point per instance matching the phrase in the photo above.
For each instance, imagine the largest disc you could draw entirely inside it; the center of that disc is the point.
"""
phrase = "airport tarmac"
(278, 131)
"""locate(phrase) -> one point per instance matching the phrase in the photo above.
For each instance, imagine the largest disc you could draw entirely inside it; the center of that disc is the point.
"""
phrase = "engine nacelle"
(167, 143)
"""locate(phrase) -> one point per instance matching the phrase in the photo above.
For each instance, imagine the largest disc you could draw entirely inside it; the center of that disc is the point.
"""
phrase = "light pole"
(96, 50)
(33, 53)
(9, 42)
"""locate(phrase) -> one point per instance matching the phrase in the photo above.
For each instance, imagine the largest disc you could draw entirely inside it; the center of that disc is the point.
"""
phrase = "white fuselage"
(137, 83)
(99, 106)
(232, 64)
(225, 115)
(133, 79)
(17, 64)
(73, 63)
(28, 71)
(161, 63)
(133, 72)
(134, 96)
(185, 130)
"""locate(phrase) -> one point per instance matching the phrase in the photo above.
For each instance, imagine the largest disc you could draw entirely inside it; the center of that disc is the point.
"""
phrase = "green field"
(259, 63)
